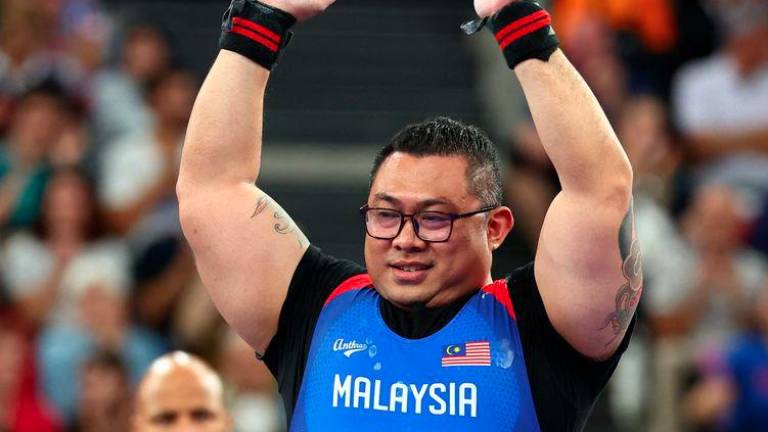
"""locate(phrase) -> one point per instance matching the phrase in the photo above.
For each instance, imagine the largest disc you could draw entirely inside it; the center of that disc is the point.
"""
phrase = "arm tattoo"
(628, 294)
(283, 224)
(261, 205)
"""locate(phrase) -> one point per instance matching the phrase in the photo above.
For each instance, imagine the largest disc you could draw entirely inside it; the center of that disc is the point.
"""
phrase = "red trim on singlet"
(499, 290)
(354, 283)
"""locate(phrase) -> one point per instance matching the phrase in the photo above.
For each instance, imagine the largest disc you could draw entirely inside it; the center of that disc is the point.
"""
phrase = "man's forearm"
(223, 142)
(573, 127)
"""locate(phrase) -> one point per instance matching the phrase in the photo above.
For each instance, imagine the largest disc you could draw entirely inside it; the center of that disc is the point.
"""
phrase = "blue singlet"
(469, 376)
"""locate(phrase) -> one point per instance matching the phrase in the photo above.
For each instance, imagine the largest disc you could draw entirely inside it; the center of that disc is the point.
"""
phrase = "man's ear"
(500, 223)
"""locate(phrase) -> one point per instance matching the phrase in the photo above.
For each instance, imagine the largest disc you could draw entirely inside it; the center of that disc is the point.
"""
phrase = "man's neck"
(449, 296)
(419, 321)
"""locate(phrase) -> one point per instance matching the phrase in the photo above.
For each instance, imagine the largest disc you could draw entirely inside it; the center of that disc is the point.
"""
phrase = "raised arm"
(246, 248)
(587, 262)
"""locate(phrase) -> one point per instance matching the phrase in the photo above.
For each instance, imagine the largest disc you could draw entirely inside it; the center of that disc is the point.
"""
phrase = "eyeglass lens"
(429, 226)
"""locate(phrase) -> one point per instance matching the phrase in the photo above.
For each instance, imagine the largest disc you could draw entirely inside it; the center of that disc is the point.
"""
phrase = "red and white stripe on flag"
(475, 354)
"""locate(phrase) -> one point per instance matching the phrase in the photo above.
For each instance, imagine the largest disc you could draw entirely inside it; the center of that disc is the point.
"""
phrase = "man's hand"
(486, 8)
(301, 9)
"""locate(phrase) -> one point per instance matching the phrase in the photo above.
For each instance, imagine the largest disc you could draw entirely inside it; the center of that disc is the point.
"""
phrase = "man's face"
(408, 270)
(181, 401)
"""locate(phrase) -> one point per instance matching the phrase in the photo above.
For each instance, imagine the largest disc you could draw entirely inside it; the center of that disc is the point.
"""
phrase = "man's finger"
(485, 8)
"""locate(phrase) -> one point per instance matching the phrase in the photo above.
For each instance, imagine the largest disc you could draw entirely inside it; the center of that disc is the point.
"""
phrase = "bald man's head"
(180, 392)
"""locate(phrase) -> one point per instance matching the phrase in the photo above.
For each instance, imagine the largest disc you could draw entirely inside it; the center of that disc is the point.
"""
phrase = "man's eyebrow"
(163, 415)
(388, 198)
(422, 204)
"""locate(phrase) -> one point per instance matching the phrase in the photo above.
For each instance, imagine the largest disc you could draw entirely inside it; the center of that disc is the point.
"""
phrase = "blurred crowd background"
(96, 280)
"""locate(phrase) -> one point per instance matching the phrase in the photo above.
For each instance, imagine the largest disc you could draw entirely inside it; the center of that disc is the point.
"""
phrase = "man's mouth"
(412, 267)
(410, 272)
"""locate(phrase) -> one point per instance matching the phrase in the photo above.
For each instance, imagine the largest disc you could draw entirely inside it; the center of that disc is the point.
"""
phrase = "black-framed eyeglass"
(430, 226)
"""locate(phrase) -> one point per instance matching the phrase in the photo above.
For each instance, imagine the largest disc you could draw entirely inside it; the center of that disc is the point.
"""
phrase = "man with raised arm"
(421, 337)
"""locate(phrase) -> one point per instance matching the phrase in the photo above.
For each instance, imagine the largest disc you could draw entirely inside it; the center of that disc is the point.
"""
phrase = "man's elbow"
(623, 180)
(190, 211)
(614, 187)
(182, 192)
(606, 351)
(190, 195)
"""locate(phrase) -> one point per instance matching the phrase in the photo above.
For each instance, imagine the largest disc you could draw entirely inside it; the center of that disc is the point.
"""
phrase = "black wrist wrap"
(523, 30)
(256, 30)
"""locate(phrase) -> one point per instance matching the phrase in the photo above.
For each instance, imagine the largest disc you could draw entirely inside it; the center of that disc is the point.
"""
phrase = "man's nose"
(407, 239)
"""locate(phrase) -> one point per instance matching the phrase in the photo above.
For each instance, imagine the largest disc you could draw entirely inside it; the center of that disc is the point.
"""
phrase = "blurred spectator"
(195, 324)
(102, 323)
(652, 20)
(180, 393)
(21, 407)
(619, 45)
(652, 37)
(31, 50)
(85, 30)
(161, 285)
(720, 102)
(47, 269)
(24, 59)
(256, 406)
(72, 148)
(139, 170)
(119, 106)
(705, 405)
(105, 400)
(137, 187)
(748, 367)
(696, 296)
(735, 397)
(705, 289)
(24, 168)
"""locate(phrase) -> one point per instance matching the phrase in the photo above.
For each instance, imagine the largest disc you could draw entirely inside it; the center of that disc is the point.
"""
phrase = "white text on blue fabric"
(453, 399)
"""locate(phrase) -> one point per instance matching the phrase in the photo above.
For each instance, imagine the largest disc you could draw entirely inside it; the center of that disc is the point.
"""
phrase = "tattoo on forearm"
(283, 224)
(628, 294)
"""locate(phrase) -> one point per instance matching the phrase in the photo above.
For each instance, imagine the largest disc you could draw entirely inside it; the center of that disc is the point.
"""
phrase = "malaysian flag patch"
(467, 354)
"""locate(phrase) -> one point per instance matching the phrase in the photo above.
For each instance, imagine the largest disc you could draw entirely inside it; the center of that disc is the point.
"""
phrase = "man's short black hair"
(443, 136)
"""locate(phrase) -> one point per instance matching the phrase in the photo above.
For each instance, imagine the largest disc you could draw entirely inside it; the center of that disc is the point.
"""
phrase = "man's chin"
(406, 296)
